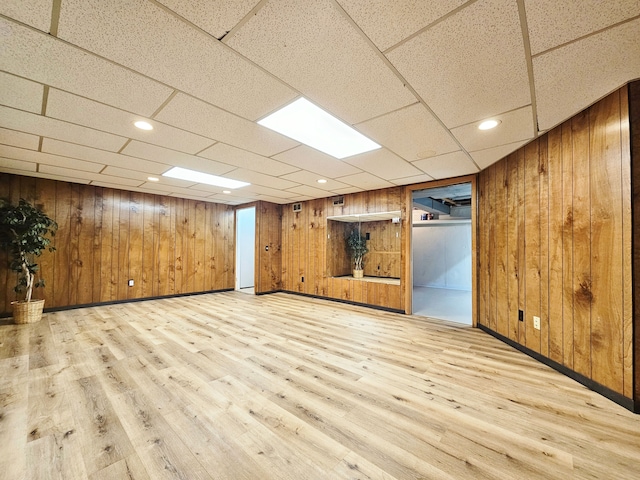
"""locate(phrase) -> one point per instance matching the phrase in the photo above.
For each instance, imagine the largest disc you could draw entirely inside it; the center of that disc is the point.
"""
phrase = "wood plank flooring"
(233, 386)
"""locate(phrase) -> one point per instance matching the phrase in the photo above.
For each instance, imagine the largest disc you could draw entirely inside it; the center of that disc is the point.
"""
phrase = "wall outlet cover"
(536, 323)
(130, 283)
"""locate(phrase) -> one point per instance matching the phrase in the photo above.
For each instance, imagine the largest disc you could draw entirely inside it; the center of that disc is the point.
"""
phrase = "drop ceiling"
(415, 77)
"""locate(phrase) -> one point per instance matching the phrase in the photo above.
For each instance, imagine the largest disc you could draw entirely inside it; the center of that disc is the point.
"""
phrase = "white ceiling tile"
(484, 158)
(314, 48)
(216, 17)
(280, 201)
(257, 178)
(171, 51)
(41, 174)
(409, 180)
(76, 175)
(552, 23)
(366, 181)
(199, 117)
(229, 200)
(516, 125)
(102, 156)
(308, 191)
(386, 23)
(13, 164)
(176, 159)
(306, 158)
(237, 157)
(36, 13)
(410, 132)
(48, 159)
(469, 66)
(311, 179)
(261, 190)
(140, 177)
(447, 165)
(383, 163)
(45, 59)
(570, 78)
(50, 127)
(81, 111)
(116, 184)
(169, 189)
(19, 139)
(19, 93)
(122, 180)
(345, 191)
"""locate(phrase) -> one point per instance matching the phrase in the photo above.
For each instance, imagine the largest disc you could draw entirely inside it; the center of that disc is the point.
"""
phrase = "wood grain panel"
(269, 234)
(634, 135)
(532, 244)
(582, 283)
(568, 244)
(107, 236)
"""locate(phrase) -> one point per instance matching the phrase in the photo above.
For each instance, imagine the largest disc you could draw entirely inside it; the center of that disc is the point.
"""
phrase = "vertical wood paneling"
(627, 252)
(634, 135)
(582, 287)
(107, 236)
(606, 248)
(532, 244)
(556, 227)
(512, 245)
(565, 202)
(268, 234)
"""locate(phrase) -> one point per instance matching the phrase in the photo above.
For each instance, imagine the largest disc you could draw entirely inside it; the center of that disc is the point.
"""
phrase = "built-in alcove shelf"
(385, 280)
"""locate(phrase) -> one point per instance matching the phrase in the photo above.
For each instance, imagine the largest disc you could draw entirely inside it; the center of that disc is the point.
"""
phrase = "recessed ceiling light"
(489, 124)
(153, 179)
(199, 177)
(322, 180)
(226, 191)
(305, 122)
(143, 125)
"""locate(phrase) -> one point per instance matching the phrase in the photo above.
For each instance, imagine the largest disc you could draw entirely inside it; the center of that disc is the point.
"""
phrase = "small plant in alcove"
(357, 246)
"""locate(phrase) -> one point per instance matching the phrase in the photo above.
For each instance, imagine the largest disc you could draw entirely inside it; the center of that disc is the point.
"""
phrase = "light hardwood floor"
(234, 386)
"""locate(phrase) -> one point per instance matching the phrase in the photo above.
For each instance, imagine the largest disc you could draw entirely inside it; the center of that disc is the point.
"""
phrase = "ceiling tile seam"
(45, 98)
(431, 25)
(524, 26)
(55, 17)
(502, 145)
(506, 112)
(405, 83)
(396, 110)
(253, 12)
(584, 37)
(164, 104)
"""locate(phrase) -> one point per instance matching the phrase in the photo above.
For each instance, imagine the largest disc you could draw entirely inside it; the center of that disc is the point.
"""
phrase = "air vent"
(297, 207)
(338, 201)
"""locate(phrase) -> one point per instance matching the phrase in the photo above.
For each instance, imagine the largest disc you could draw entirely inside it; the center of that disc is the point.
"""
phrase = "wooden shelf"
(388, 281)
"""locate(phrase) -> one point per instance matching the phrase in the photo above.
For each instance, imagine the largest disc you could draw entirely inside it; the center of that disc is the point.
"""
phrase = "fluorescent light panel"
(199, 177)
(305, 122)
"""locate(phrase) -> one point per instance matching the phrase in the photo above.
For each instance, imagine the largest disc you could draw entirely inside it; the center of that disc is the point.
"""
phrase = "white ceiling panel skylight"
(305, 122)
(199, 177)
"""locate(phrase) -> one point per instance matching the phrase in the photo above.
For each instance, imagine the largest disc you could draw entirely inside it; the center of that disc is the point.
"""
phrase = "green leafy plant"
(357, 245)
(24, 234)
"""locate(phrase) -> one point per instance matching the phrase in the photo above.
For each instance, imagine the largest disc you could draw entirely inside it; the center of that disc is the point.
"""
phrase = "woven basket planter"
(28, 312)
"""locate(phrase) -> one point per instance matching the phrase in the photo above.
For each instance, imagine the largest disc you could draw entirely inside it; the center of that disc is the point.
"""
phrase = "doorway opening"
(245, 249)
(442, 253)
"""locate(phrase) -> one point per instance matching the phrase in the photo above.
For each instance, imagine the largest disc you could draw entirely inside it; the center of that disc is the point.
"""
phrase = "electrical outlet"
(536, 323)
(520, 316)
(130, 283)
(302, 279)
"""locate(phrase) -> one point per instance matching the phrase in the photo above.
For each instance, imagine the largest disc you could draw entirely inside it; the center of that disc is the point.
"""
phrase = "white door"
(245, 247)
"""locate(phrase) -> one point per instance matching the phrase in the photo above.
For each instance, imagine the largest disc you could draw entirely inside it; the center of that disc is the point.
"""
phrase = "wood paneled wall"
(268, 234)
(383, 258)
(634, 123)
(304, 249)
(166, 245)
(554, 231)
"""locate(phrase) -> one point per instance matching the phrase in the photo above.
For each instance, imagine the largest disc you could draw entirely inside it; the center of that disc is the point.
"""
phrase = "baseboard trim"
(621, 400)
(128, 300)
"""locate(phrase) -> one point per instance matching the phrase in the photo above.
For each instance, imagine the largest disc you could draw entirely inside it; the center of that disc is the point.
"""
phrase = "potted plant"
(24, 231)
(357, 245)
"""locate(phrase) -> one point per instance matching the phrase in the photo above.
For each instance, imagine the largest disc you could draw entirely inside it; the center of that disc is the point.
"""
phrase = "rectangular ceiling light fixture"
(199, 177)
(305, 122)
